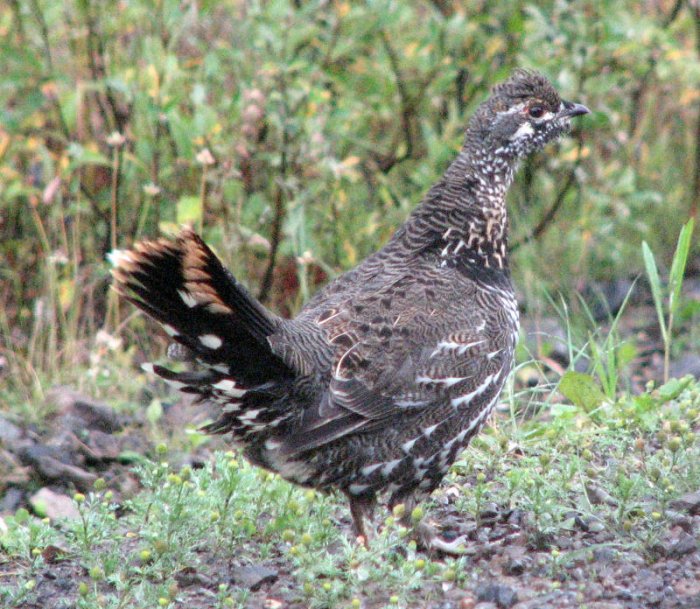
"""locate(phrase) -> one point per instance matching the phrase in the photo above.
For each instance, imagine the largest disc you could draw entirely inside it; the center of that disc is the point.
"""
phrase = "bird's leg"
(362, 507)
(425, 533)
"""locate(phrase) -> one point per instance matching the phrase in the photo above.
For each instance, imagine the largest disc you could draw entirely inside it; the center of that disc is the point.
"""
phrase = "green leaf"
(189, 210)
(655, 283)
(581, 389)
(675, 279)
(672, 388)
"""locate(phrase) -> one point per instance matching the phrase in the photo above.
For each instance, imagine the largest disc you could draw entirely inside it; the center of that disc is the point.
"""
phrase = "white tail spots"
(223, 368)
(358, 489)
(389, 467)
(368, 469)
(408, 446)
(427, 432)
(464, 399)
(210, 341)
(229, 388)
(188, 298)
(448, 381)
(231, 407)
(169, 330)
(175, 384)
(250, 415)
(148, 367)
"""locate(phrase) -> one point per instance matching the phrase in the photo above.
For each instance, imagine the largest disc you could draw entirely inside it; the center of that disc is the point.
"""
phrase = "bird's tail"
(184, 286)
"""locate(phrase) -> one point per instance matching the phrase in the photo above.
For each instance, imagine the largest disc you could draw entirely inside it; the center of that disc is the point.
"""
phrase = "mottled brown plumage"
(389, 371)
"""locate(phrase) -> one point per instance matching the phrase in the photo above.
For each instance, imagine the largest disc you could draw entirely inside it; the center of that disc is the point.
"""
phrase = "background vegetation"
(297, 135)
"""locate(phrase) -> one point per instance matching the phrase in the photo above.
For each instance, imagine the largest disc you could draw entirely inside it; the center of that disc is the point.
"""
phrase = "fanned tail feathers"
(184, 286)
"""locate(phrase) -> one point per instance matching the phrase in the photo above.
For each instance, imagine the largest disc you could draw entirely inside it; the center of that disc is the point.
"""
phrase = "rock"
(604, 554)
(516, 517)
(596, 526)
(689, 502)
(515, 566)
(686, 364)
(78, 411)
(48, 466)
(11, 470)
(597, 495)
(515, 561)
(685, 545)
(53, 505)
(100, 446)
(254, 576)
(9, 432)
(11, 500)
(648, 581)
(189, 576)
(489, 513)
(503, 596)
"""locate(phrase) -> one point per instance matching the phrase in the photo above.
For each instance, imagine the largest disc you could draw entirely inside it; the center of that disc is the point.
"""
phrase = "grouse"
(387, 373)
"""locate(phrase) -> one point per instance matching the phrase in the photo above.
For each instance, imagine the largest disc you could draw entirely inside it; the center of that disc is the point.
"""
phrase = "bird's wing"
(396, 352)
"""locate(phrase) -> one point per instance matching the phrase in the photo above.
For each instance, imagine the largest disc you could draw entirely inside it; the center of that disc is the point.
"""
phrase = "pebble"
(53, 505)
(254, 576)
(689, 502)
(503, 596)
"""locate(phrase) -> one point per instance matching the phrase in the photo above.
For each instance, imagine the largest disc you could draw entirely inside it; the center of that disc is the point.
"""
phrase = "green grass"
(639, 453)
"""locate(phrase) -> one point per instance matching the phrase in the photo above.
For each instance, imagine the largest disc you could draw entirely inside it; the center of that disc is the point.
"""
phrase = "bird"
(386, 373)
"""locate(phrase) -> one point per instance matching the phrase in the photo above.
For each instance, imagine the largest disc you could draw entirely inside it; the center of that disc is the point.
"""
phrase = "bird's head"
(522, 115)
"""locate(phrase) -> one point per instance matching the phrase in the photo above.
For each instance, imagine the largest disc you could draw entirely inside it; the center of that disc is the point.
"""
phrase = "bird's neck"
(464, 215)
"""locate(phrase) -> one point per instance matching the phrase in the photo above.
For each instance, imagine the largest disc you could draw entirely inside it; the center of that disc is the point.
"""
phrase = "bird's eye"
(536, 111)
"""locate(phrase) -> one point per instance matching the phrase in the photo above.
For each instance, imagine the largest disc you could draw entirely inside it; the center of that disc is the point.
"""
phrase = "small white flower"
(205, 157)
(115, 139)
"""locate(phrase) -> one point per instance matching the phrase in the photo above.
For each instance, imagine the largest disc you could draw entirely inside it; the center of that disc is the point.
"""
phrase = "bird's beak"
(571, 109)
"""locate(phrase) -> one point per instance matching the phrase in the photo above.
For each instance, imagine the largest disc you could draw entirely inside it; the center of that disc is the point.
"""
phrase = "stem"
(667, 344)
(695, 191)
(276, 235)
(113, 305)
(116, 162)
(203, 197)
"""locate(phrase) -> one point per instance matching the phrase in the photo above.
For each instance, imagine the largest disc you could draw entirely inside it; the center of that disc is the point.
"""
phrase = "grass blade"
(655, 283)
